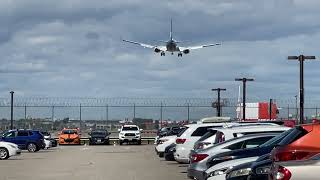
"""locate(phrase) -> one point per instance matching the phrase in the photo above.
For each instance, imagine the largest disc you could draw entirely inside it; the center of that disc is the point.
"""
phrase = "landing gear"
(162, 54)
(171, 53)
(179, 54)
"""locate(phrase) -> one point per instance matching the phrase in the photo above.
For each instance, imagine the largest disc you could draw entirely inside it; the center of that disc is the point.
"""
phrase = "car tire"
(4, 153)
(32, 147)
(120, 142)
(139, 142)
(108, 142)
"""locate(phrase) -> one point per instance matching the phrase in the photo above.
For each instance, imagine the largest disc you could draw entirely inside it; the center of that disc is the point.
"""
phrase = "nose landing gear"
(162, 54)
(179, 54)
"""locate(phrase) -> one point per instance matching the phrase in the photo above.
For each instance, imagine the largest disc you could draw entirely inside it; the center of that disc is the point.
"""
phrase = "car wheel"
(31, 147)
(139, 142)
(120, 142)
(4, 153)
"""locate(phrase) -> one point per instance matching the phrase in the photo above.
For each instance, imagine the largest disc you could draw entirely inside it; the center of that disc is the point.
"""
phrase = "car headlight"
(137, 134)
(219, 172)
(263, 170)
(121, 134)
(239, 172)
(224, 158)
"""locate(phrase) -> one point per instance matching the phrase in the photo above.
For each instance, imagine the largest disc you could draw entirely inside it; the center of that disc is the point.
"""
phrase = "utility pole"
(301, 59)
(244, 84)
(219, 103)
(11, 117)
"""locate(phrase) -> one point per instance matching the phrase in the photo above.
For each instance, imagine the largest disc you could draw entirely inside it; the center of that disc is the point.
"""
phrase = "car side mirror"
(141, 130)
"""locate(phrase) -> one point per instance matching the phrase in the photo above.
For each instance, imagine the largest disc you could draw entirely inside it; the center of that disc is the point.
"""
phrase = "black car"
(250, 152)
(99, 137)
(242, 171)
(168, 152)
(260, 169)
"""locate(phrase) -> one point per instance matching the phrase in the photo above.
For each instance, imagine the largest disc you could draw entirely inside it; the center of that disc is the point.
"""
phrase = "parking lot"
(91, 163)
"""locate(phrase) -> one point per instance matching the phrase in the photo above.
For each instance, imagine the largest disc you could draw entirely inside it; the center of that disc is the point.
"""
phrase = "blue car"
(30, 140)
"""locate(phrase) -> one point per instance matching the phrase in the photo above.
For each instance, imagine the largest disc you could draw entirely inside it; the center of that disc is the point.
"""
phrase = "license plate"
(99, 140)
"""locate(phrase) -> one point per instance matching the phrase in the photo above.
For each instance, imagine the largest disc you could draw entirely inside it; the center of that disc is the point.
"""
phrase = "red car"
(305, 144)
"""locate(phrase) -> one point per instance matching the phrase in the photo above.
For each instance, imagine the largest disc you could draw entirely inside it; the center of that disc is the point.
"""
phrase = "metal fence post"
(80, 118)
(52, 113)
(25, 112)
(161, 116)
(134, 111)
(188, 113)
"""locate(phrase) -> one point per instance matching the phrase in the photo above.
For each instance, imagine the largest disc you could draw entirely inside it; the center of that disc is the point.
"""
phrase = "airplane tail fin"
(171, 38)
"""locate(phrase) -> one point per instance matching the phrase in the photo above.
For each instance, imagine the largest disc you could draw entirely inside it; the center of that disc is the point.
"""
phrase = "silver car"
(296, 170)
(198, 159)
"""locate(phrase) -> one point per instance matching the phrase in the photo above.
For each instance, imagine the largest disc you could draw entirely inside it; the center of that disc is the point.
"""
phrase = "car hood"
(130, 132)
(98, 136)
(8, 143)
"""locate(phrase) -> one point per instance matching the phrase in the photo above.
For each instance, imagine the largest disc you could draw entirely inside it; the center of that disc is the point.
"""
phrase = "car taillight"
(198, 157)
(283, 174)
(293, 155)
(180, 141)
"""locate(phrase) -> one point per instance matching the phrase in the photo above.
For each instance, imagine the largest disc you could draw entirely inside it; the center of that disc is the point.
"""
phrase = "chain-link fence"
(56, 113)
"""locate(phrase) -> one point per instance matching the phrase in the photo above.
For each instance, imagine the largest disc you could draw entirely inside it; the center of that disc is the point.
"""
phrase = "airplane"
(171, 46)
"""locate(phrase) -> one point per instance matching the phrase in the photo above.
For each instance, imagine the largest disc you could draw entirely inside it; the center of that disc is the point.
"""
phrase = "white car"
(48, 144)
(185, 141)
(163, 143)
(129, 133)
(218, 171)
(8, 149)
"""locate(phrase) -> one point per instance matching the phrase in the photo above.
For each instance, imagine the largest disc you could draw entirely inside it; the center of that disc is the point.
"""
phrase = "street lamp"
(244, 82)
(219, 104)
(11, 117)
(301, 59)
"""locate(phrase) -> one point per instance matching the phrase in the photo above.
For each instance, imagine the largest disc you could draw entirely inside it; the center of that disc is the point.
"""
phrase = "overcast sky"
(74, 48)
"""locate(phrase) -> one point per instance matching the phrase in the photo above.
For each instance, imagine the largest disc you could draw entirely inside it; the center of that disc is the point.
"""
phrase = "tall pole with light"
(11, 115)
(301, 60)
(244, 84)
(219, 100)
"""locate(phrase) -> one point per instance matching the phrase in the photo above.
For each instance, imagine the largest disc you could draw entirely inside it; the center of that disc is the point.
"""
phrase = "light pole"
(11, 117)
(296, 96)
(219, 104)
(301, 59)
(244, 82)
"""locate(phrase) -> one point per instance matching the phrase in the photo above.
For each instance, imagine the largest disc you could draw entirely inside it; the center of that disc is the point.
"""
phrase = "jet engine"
(186, 51)
(157, 50)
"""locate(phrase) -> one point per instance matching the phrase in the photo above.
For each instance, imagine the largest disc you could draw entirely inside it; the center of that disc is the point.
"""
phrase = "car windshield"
(294, 134)
(130, 128)
(98, 133)
(276, 139)
(69, 132)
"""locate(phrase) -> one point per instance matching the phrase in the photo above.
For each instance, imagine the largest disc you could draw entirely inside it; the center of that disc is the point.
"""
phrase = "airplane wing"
(198, 47)
(141, 44)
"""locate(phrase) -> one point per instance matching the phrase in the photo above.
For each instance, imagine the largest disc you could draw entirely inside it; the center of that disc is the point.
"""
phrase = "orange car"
(69, 136)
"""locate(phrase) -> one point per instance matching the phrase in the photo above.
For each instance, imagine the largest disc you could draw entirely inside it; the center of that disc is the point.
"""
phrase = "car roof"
(250, 128)
(131, 125)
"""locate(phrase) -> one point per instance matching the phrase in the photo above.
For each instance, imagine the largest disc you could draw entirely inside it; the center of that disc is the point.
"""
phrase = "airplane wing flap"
(199, 47)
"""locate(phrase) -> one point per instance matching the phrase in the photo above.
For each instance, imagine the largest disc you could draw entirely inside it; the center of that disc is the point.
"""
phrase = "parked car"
(69, 136)
(164, 142)
(198, 159)
(47, 136)
(169, 152)
(185, 142)
(214, 136)
(25, 139)
(99, 137)
(129, 133)
(168, 131)
(8, 149)
(260, 169)
(248, 152)
(217, 172)
(299, 144)
(297, 169)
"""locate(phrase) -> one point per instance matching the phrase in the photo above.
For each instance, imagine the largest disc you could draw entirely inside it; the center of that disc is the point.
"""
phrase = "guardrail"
(115, 140)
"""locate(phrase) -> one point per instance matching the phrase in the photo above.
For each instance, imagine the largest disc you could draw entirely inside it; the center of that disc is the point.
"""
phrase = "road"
(130, 162)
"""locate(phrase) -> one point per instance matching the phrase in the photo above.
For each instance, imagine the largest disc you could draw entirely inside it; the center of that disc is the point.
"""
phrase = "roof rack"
(250, 124)
(214, 119)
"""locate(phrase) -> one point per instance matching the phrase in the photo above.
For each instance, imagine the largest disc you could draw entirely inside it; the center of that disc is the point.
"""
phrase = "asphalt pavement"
(128, 162)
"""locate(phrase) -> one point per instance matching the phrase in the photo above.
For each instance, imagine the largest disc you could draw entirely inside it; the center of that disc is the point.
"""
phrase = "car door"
(10, 137)
(22, 138)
